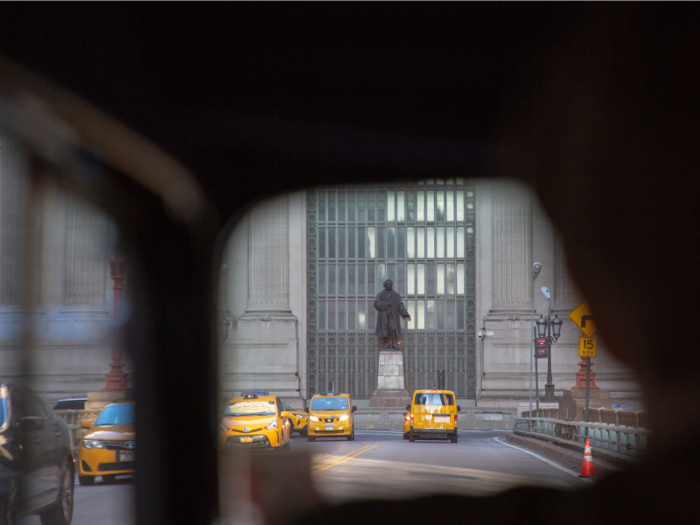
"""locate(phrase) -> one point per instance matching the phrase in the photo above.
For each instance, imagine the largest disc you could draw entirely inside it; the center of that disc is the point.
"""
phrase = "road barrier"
(618, 441)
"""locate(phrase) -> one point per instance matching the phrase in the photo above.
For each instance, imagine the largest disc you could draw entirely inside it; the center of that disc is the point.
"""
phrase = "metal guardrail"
(618, 417)
(622, 442)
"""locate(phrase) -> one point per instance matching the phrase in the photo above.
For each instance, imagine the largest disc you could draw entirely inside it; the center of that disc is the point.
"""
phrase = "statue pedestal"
(390, 390)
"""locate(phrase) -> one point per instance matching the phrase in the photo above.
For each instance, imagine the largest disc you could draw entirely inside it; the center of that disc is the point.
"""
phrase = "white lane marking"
(542, 458)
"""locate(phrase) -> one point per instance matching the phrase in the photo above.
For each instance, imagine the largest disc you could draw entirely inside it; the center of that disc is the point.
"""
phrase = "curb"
(563, 455)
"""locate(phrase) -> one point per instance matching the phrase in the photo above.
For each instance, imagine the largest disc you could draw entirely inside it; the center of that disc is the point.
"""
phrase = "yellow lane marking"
(346, 457)
(335, 454)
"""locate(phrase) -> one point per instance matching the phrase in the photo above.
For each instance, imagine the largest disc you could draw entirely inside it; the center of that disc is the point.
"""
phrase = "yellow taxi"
(108, 448)
(297, 419)
(255, 421)
(433, 415)
(330, 415)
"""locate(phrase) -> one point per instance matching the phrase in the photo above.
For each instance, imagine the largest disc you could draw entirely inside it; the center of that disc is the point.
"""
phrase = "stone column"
(512, 248)
(268, 256)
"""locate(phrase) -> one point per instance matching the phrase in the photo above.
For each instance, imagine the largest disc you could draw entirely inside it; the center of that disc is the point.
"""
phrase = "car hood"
(240, 422)
(328, 413)
(115, 432)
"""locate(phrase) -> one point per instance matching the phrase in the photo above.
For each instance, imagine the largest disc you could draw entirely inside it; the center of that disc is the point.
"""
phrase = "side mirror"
(459, 408)
(408, 407)
(284, 414)
(31, 423)
(86, 423)
(354, 408)
(306, 409)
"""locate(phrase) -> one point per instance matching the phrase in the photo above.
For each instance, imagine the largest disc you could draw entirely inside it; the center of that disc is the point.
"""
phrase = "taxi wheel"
(405, 436)
(291, 427)
(351, 437)
(303, 432)
(310, 438)
(411, 438)
(86, 480)
(109, 478)
(455, 438)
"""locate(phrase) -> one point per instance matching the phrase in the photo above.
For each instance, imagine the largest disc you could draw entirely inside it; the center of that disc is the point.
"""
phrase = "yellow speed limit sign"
(587, 347)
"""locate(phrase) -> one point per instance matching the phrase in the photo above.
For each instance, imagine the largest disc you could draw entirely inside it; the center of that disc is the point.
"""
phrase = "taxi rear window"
(432, 398)
(252, 408)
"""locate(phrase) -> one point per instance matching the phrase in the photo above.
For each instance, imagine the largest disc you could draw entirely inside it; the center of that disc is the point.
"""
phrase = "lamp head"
(536, 268)
(545, 292)
(541, 327)
(556, 327)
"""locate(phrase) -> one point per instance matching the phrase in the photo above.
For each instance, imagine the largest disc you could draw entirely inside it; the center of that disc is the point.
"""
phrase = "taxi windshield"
(432, 398)
(251, 408)
(329, 403)
(117, 415)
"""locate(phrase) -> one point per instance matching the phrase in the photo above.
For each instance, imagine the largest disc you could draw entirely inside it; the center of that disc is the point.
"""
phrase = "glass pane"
(400, 206)
(411, 307)
(440, 314)
(390, 206)
(431, 206)
(420, 201)
(381, 276)
(450, 205)
(440, 206)
(411, 284)
(460, 279)
(371, 251)
(371, 316)
(362, 206)
(401, 243)
(361, 318)
(331, 279)
(361, 243)
(440, 279)
(351, 279)
(391, 243)
(351, 243)
(331, 243)
(341, 315)
(341, 243)
(441, 242)
(371, 280)
(431, 243)
(341, 206)
(381, 243)
(322, 315)
(411, 206)
(381, 206)
(321, 243)
(430, 315)
(331, 206)
(421, 279)
(331, 315)
(460, 242)
(341, 280)
(440, 181)
(420, 317)
(450, 323)
(361, 286)
(450, 288)
(370, 205)
(430, 278)
(450, 242)
(460, 205)
(401, 283)
(410, 243)
(321, 206)
(421, 243)
(351, 206)
(460, 315)
(351, 315)
(322, 279)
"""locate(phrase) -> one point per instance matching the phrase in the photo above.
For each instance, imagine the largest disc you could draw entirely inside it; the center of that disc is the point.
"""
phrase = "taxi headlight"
(313, 418)
(301, 416)
(344, 417)
(222, 426)
(272, 425)
(92, 443)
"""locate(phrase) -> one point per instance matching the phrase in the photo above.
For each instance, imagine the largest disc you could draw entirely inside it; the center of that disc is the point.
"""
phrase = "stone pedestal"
(390, 391)
(572, 405)
(98, 400)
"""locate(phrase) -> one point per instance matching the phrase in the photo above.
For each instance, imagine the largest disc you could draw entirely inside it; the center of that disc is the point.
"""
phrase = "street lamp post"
(550, 329)
(116, 378)
(536, 268)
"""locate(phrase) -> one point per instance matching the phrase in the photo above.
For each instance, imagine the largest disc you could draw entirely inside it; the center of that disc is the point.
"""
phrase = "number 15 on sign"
(587, 347)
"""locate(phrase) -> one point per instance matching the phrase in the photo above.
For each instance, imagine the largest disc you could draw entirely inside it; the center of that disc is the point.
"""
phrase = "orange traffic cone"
(587, 467)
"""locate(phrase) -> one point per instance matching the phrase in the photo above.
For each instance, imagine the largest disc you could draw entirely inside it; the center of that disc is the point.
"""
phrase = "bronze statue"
(389, 305)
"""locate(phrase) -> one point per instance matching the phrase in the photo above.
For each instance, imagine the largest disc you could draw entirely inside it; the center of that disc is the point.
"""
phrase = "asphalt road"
(378, 464)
